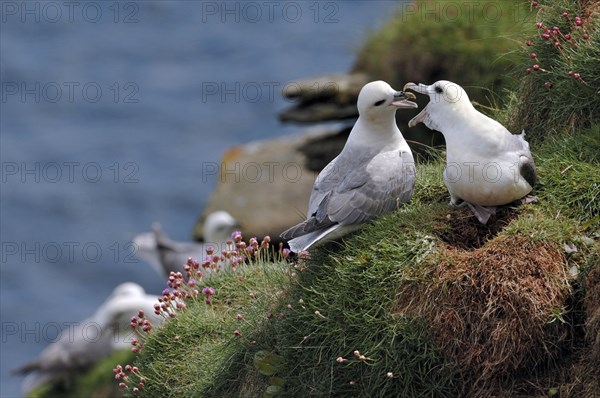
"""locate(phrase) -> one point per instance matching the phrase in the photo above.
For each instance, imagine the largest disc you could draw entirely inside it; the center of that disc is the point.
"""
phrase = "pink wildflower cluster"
(184, 286)
(561, 40)
(125, 377)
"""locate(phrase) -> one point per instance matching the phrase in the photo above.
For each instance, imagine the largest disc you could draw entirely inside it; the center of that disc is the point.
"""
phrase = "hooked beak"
(418, 88)
(401, 100)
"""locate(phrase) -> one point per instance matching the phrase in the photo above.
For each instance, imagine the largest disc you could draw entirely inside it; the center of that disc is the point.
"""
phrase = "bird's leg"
(483, 213)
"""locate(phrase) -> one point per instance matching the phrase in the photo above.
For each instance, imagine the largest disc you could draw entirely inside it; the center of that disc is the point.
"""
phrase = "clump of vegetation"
(403, 309)
(470, 43)
(496, 311)
(570, 183)
(210, 326)
(560, 90)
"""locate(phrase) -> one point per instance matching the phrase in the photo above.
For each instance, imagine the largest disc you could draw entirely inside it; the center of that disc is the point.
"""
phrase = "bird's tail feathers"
(305, 242)
(294, 231)
(25, 369)
(308, 226)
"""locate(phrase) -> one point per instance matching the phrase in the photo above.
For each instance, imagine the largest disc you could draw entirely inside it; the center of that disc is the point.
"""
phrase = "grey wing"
(316, 221)
(326, 181)
(350, 191)
(376, 189)
(73, 350)
(526, 164)
(316, 217)
(164, 254)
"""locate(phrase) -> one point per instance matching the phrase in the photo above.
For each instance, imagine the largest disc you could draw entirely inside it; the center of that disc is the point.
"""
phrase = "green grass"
(191, 350)
(570, 181)
(354, 286)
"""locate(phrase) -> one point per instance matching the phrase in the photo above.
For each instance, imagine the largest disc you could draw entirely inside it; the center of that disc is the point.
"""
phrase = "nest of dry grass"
(459, 230)
(496, 310)
(591, 302)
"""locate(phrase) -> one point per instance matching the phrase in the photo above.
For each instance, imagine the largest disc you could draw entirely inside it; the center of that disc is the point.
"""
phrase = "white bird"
(372, 175)
(166, 255)
(82, 345)
(486, 165)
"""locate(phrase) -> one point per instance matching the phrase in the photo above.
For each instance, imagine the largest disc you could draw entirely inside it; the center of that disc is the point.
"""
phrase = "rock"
(318, 112)
(333, 97)
(328, 97)
(341, 86)
(265, 185)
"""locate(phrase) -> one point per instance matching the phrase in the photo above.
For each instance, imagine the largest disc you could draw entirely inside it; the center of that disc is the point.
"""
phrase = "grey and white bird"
(373, 174)
(166, 255)
(92, 339)
(486, 165)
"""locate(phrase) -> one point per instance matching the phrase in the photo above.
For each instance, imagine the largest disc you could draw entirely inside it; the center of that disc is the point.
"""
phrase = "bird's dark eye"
(380, 102)
(438, 89)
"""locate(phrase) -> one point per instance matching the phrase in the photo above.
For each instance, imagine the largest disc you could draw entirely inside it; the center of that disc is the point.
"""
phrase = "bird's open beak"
(401, 100)
(420, 118)
(419, 88)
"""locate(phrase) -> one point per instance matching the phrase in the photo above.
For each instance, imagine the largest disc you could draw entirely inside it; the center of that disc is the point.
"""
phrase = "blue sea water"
(108, 111)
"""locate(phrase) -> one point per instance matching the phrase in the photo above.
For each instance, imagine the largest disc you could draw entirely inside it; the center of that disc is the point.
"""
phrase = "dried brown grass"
(461, 230)
(592, 307)
(495, 310)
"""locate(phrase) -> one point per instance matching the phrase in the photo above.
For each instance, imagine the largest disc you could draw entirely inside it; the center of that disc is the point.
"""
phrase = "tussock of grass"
(570, 183)
(341, 302)
(494, 310)
(190, 351)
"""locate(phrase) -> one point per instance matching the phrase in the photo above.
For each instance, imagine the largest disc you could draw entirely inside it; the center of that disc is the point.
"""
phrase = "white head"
(379, 98)
(218, 226)
(128, 289)
(446, 99)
